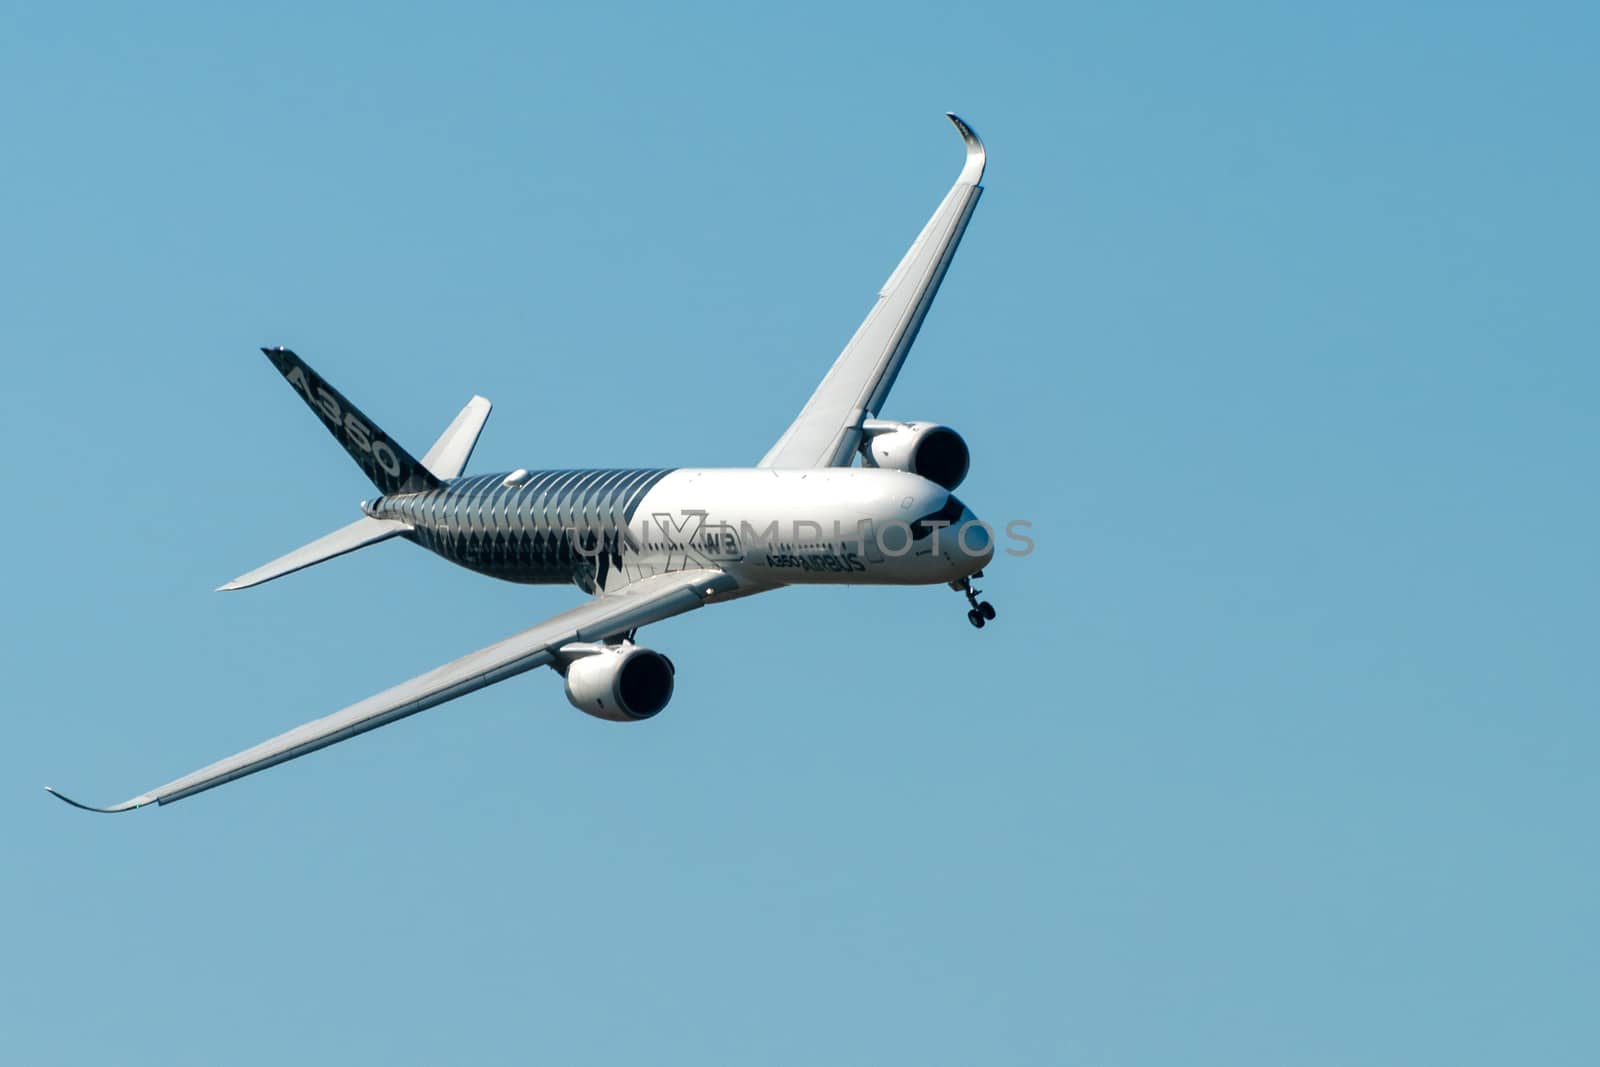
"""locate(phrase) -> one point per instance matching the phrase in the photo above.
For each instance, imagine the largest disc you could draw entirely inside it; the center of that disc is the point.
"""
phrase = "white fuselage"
(832, 525)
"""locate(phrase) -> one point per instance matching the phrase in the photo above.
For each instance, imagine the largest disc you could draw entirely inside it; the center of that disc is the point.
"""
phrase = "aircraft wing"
(828, 430)
(645, 601)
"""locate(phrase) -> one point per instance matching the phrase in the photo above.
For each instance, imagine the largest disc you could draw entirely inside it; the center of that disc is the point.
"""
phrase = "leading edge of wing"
(646, 601)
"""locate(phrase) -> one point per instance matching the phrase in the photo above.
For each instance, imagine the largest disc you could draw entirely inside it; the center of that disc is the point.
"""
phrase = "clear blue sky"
(1279, 324)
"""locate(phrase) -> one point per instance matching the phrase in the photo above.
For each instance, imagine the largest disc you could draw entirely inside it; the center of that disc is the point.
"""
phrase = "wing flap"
(644, 602)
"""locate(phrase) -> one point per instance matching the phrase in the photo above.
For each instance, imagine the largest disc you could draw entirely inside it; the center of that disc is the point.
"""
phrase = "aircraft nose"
(973, 546)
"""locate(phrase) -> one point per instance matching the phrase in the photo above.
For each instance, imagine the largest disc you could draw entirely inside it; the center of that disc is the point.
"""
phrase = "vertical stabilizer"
(391, 468)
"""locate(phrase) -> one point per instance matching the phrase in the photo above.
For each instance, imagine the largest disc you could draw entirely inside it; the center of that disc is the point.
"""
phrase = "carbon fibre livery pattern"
(390, 467)
(550, 527)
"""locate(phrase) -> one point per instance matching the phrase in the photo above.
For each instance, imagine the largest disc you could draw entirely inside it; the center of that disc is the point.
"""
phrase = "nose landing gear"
(981, 611)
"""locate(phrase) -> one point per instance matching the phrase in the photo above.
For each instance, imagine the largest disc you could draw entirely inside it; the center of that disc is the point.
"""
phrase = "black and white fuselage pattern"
(602, 529)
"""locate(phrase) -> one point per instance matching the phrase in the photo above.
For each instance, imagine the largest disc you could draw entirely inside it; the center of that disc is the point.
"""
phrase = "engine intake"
(926, 449)
(620, 683)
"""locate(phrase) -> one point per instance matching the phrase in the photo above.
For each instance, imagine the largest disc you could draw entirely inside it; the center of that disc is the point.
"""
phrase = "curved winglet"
(126, 805)
(972, 173)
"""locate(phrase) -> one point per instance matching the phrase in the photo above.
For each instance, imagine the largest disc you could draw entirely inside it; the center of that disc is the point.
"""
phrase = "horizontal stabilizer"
(364, 531)
(449, 454)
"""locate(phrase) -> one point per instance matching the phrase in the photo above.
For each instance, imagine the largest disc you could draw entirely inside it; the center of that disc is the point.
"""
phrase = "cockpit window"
(946, 515)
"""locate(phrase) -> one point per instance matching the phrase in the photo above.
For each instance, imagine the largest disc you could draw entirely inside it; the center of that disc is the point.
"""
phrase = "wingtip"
(977, 155)
(126, 805)
(243, 581)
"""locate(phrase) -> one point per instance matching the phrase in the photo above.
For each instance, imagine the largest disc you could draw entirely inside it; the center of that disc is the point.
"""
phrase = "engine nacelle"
(622, 683)
(927, 449)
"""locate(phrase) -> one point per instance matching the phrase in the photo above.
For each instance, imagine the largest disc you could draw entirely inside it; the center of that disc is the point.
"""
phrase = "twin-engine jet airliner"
(651, 543)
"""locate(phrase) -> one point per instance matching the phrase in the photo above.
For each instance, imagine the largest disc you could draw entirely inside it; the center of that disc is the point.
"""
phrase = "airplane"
(651, 543)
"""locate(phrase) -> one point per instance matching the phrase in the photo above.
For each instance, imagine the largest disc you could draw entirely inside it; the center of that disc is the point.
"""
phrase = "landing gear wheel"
(982, 611)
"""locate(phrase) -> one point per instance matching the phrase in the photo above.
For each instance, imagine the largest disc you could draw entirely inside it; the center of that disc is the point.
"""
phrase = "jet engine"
(622, 683)
(934, 452)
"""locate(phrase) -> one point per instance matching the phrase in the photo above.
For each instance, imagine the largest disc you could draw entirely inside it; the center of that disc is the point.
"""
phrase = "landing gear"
(981, 610)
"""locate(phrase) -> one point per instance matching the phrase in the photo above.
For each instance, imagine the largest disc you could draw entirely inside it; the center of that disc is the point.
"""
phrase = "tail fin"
(391, 468)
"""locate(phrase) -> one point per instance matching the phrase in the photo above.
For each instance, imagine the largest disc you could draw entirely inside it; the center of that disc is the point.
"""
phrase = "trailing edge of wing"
(645, 601)
(828, 430)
